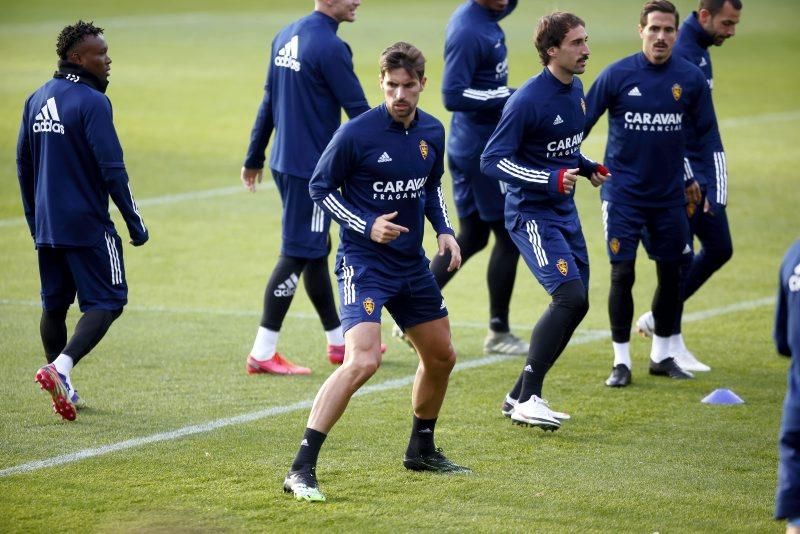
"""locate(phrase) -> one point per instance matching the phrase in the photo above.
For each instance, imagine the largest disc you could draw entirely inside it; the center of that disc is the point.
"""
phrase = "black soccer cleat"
(669, 368)
(303, 485)
(433, 461)
(620, 376)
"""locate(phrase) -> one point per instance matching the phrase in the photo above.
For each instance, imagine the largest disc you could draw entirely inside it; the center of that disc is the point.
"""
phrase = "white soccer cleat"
(561, 416)
(534, 412)
(688, 362)
(504, 343)
(507, 408)
(646, 325)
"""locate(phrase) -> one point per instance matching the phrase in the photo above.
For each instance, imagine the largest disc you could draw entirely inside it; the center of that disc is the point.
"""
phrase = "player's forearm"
(260, 134)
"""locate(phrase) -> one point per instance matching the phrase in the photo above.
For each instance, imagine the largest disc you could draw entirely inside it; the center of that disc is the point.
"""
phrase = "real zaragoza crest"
(423, 148)
(677, 91)
(562, 266)
(614, 245)
(369, 305)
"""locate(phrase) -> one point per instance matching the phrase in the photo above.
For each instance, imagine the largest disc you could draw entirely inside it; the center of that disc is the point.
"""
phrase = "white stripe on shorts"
(536, 243)
(113, 257)
(317, 219)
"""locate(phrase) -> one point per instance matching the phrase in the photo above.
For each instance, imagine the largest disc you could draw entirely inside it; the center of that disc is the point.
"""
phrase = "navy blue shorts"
(96, 274)
(555, 251)
(663, 232)
(411, 298)
(474, 191)
(304, 225)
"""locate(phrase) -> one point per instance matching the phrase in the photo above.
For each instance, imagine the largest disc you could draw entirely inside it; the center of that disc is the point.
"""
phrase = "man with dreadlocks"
(69, 161)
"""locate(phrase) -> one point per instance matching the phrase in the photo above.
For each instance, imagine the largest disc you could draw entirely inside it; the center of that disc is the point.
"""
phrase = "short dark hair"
(552, 29)
(660, 6)
(402, 55)
(72, 35)
(714, 6)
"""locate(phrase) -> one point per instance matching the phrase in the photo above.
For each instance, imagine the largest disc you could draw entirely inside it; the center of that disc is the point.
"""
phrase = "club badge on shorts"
(562, 266)
(677, 91)
(614, 245)
(369, 305)
(423, 148)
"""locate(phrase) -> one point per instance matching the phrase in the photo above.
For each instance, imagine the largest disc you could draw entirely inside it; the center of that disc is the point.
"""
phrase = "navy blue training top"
(692, 45)
(69, 161)
(374, 166)
(539, 134)
(309, 80)
(475, 78)
(649, 107)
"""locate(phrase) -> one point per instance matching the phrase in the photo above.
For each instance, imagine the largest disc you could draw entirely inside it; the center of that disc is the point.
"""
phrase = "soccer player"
(713, 23)
(69, 161)
(652, 98)
(787, 341)
(380, 177)
(536, 151)
(474, 86)
(309, 80)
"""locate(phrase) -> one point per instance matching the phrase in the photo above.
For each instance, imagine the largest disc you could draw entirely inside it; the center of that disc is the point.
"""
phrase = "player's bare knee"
(363, 364)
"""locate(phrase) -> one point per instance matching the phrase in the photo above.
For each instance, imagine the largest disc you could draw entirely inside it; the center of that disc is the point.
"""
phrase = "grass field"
(175, 435)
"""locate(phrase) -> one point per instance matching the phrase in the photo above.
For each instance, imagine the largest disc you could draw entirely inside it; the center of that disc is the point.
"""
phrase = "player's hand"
(140, 242)
(600, 176)
(707, 207)
(693, 193)
(384, 231)
(250, 176)
(568, 177)
(448, 243)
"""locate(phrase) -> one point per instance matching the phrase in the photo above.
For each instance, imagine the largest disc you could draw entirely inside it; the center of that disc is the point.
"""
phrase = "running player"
(380, 177)
(536, 151)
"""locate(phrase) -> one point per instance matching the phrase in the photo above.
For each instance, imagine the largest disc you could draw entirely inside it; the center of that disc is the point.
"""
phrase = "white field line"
(166, 199)
(580, 338)
(733, 122)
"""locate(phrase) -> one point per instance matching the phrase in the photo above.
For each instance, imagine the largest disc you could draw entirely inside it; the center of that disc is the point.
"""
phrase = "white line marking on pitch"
(733, 122)
(165, 199)
(581, 337)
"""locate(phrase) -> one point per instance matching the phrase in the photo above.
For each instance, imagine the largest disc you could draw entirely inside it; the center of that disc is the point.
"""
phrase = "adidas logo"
(528, 369)
(304, 443)
(287, 287)
(634, 92)
(385, 158)
(426, 431)
(558, 120)
(687, 250)
(703, 62)
(442, 306)
(48, 120)
(287, 56)
(74, 78)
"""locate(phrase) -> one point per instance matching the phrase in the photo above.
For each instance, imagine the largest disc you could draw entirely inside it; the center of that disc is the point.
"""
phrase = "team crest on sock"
(423, 148)
(369, 305)
(562, 266)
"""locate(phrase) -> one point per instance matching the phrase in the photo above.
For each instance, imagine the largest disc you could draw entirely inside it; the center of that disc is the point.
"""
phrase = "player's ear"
(552, 51)
(703, 16)
(422, 83)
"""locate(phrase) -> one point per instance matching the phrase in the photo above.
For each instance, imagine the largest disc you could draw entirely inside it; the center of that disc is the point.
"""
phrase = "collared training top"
(787, 312)
(539, 135)
(649, 108)
(692, 45)
(69, 160)
(474, 83)
(374, 166)
(309, 80)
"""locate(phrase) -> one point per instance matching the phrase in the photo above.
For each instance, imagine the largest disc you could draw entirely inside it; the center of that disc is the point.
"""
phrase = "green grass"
(187, 79)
